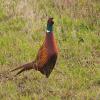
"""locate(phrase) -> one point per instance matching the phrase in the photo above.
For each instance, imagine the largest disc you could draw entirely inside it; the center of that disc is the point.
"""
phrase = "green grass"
(76, 75)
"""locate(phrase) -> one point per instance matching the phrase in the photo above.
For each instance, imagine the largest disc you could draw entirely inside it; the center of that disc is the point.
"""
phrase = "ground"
(76, 75)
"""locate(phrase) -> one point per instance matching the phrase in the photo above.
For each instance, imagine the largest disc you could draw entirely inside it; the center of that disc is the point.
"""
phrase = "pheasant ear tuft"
(50, 19)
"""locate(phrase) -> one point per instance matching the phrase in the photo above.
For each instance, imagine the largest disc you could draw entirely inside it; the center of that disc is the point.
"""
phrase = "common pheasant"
(47, 54)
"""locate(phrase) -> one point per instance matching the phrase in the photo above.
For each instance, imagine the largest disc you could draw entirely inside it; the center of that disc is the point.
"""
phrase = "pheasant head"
(50, 23)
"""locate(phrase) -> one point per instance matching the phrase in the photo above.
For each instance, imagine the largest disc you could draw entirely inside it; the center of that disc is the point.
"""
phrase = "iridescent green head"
(50, 23)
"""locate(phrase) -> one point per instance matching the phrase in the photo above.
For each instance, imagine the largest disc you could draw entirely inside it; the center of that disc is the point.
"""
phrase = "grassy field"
(76, 75)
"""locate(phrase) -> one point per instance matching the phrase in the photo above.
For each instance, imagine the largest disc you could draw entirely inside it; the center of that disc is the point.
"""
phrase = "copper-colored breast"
(51, 44)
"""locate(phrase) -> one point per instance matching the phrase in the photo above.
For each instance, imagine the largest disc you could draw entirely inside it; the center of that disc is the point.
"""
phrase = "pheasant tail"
(24, 67)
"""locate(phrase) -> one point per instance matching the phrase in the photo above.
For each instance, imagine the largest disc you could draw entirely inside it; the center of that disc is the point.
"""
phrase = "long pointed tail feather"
(24, 67)
(16, 68)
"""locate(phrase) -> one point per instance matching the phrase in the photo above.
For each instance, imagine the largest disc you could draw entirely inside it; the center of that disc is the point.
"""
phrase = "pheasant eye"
(51, 22)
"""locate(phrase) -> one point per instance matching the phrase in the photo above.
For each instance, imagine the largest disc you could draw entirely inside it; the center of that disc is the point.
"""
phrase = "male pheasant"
(47, 54)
